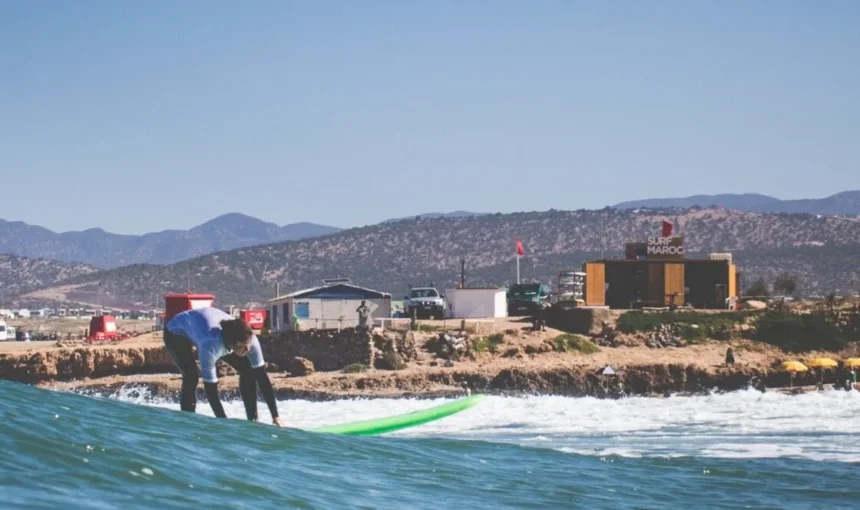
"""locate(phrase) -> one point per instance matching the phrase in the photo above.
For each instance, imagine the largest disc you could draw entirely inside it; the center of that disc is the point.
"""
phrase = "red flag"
(520, 250)
(667, 229)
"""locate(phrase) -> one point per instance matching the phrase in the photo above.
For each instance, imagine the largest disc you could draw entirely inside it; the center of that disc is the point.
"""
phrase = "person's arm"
(214, 399)
(210, 382)
(266, 389)
(258, 364)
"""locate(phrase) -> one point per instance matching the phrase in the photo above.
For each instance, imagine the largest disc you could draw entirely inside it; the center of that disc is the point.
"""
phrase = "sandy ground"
(149, 339)
(76, 326)
(12, 346)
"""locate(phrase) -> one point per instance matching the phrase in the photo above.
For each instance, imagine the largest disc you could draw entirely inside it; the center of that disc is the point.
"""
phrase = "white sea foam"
(744, 424)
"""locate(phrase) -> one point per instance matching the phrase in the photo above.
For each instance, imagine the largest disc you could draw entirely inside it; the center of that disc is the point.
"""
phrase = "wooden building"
(661, 277)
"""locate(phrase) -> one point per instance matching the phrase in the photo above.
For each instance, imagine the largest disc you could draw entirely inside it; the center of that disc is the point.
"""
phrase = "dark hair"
(235, 331)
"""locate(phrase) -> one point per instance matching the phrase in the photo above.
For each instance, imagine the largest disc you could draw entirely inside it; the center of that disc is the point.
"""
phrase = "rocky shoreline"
(648, 380)
(516, 360)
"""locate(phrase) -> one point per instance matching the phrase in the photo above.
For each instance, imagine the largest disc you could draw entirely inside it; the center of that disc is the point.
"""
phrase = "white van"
(3, 333)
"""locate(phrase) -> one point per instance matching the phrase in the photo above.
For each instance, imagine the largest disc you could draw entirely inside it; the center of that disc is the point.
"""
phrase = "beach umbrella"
(607, 371)
(792, 367)
(852, 362)
(822, 364)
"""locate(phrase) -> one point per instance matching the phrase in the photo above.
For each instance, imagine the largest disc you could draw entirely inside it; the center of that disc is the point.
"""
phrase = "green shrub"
(693, 334)
(355, 368)
(799, 333)
(488, 343)
(718, 326)
(568, 342)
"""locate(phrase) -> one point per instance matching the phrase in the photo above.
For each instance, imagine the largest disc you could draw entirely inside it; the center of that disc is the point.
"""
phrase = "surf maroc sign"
(657, 248)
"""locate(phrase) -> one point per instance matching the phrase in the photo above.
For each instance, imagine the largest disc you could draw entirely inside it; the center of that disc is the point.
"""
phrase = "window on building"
(275, 317)
(302, 310)
(285, 313)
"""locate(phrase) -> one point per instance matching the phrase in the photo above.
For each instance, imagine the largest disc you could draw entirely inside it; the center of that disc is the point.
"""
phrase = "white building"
(330, 306)
(24, 313)
(477, 303)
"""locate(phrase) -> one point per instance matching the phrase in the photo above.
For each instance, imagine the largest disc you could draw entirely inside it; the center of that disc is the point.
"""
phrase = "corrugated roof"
(311, 290)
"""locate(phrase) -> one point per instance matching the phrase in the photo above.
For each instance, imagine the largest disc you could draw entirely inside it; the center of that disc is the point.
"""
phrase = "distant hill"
(823, 253)
(105, 250)
(21, 274)
(846, 203)
(452, 214)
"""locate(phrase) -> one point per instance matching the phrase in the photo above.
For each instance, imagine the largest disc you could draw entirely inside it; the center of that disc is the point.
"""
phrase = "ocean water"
(736, 450)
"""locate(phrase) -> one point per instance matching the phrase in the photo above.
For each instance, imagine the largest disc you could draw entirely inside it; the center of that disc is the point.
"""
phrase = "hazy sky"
(141, 116)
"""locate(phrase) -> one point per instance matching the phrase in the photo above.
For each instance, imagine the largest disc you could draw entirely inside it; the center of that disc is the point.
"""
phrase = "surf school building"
(656, 273)
(330, 306)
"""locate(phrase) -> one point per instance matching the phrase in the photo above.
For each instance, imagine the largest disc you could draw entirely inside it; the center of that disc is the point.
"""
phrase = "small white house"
(9, 314)
(24, 313)
(330, 306)
(477, 303)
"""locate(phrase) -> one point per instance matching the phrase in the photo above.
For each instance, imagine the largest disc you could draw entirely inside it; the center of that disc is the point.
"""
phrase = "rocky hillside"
(823, 253)
(846, 203)
(21, 274)
(105, 250)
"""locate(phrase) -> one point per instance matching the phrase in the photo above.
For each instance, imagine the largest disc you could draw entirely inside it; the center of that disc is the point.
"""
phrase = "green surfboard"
(401, 421)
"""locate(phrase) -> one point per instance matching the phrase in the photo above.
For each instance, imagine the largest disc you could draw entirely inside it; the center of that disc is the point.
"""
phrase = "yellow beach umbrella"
(792, 367)
(823, 363)
(852, 362)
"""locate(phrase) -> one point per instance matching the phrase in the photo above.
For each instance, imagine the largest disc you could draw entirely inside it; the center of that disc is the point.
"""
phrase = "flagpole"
(518, 268)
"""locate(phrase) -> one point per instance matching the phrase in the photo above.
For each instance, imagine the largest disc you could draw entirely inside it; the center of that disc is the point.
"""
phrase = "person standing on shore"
(730, 357)
(218, 336)
(363, 314)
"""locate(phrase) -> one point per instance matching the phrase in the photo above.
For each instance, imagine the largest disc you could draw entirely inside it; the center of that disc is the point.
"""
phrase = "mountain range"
(106, 250)
(19, 275)
(823, 253)
(846, 203)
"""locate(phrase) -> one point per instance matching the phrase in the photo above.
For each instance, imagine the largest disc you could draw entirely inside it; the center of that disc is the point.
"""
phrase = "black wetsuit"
(181, 349)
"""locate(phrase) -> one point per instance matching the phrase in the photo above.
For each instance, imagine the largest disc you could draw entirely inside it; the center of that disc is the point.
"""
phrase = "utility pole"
(189, 280)
(463, 273)
(155, 302)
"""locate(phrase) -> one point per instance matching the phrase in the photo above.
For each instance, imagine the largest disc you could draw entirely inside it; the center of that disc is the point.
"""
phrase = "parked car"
(424, 302)
(526, 298)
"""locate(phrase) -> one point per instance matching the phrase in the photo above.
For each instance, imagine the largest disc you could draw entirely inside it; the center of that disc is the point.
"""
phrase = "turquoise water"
(743, 450)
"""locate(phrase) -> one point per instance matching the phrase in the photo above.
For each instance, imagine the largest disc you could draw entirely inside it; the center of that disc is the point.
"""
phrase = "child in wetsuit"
(217, 335)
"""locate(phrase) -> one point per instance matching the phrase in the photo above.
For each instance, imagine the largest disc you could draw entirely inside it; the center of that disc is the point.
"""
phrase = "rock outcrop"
(324, 350)
(300, 367)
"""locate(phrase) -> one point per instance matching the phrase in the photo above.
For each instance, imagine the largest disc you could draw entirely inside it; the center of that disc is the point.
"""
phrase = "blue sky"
(141, 116)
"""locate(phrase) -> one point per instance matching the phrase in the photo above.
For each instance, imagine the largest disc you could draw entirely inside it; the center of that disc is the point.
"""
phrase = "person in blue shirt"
(218, 336)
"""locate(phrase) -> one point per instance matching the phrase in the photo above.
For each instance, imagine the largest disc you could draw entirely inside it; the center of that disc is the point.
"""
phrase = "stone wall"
(580, 320)
(327, 349)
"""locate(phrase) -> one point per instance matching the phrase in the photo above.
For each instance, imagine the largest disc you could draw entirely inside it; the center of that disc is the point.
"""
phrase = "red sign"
(255, 318)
